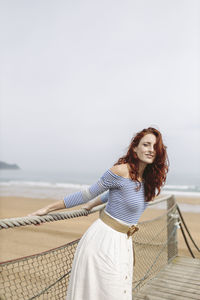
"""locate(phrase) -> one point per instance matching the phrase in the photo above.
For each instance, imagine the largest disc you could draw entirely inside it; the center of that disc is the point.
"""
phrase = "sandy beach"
(27, 240)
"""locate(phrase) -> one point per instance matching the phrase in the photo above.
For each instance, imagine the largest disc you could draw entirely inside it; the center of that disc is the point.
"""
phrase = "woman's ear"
(135, 149)
(135, 152)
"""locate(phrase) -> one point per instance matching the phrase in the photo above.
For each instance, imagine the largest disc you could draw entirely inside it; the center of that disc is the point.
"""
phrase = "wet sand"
(27, 240)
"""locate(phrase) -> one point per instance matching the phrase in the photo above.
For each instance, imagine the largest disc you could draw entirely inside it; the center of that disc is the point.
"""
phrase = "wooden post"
(171, 221)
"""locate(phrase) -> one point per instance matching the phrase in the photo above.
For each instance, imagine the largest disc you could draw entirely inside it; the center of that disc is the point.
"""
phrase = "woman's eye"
(145, 145)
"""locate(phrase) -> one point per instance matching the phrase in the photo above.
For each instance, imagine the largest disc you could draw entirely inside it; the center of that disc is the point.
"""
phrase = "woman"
(103, 263)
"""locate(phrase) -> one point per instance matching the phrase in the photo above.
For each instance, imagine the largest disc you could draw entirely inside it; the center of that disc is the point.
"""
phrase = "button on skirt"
(102, 268)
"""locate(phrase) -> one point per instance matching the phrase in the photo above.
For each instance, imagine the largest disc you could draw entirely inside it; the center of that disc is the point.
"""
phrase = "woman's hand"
(88, 206)
(40, 212)
(51, 207)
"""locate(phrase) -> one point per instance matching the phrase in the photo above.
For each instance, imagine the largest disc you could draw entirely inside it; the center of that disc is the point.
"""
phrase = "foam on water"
(180, 187)
(193, 208)
(39, 190)
(38, 184)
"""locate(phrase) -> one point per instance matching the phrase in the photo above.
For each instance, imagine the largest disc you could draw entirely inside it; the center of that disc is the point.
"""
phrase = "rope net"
(46, 275)
(155, 246)
(41, 276)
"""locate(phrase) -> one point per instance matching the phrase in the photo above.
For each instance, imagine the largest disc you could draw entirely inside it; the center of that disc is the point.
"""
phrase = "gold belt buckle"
(132, 230)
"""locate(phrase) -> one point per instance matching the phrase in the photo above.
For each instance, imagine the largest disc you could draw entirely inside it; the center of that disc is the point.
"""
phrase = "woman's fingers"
(40, 212)
(87, 207)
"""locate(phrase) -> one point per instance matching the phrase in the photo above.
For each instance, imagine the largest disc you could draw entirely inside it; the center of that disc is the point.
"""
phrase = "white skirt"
(102, 268)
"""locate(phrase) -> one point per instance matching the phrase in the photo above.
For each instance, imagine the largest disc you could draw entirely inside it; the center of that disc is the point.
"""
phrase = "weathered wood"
(181, 273)
(180, 280)
(184, 262)
(181, 259)
(188, 266)
(170, 283)
(181, 269)
(145, 297)
(172, 246)
(176, 287)
(184, 278)
(165, 293)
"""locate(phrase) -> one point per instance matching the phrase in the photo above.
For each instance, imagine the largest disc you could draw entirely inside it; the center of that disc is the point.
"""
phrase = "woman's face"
(145, 149)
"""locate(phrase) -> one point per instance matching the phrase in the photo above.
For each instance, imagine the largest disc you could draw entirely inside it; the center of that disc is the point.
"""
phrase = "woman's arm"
(45, 210)
(97, 201)
(108, 180)
(61, 205)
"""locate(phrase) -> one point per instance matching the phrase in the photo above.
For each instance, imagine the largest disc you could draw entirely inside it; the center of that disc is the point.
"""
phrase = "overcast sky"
(79, 78)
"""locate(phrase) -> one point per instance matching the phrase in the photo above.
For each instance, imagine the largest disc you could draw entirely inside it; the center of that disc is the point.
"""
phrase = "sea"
(55, 185)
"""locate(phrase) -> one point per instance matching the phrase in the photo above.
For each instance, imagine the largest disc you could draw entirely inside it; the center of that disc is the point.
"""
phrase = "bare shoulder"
(121, 170)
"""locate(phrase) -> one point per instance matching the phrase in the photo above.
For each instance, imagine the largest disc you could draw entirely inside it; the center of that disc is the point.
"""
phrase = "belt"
(129, 230)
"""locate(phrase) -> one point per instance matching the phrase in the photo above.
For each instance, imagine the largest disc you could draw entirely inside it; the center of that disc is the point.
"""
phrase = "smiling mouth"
(149, 155)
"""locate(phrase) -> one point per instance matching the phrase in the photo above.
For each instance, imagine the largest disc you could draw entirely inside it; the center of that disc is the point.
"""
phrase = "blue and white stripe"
(124, 202)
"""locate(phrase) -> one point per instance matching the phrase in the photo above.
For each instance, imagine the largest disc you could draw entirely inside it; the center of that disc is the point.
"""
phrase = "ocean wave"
(181, 193)
(185, 207)
(182, 187)
(41, 184)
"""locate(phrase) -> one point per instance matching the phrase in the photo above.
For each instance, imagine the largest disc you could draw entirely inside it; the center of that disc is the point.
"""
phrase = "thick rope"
(24, 221)
(186, 241)
(186, 228)
(35, 220)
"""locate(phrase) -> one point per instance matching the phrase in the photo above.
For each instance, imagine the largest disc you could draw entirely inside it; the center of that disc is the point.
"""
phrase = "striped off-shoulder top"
(124, 202)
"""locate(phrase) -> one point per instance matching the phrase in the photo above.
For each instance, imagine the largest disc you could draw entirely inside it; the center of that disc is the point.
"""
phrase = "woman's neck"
(142, 167)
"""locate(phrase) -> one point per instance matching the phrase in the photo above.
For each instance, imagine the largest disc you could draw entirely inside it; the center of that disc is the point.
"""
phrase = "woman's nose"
(151, 149)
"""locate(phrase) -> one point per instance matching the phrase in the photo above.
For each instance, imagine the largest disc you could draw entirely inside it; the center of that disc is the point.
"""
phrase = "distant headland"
(4, 165)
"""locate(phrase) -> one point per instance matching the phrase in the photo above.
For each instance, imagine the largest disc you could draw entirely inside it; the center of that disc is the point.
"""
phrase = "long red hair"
(155, 174)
